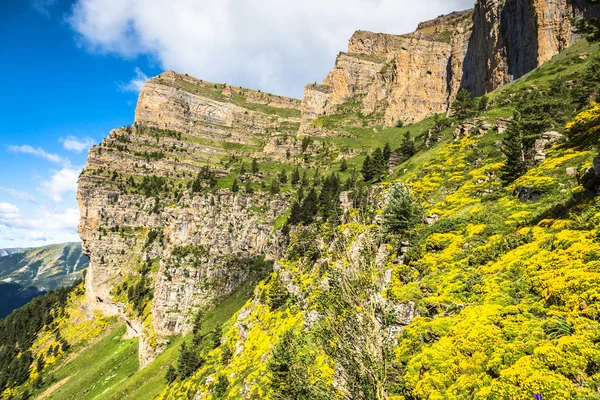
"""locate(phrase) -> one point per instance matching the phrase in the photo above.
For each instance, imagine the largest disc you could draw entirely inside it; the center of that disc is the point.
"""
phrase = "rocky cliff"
(163, 238)
(408, 77)
(163, 219)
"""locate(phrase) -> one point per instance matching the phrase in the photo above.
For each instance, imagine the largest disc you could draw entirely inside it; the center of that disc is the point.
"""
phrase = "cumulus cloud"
(9, 212)
(136, 83)
(76, 144)
(273, 45)
(17, 194)
(38, 152)
(61, 182)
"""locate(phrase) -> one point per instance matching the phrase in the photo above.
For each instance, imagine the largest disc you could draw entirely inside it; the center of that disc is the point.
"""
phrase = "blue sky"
(71, 71)
(57, 99)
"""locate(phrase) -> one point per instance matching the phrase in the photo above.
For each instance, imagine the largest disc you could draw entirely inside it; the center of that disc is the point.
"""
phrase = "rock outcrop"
(165, 240)
(408, 77)
(142, 222)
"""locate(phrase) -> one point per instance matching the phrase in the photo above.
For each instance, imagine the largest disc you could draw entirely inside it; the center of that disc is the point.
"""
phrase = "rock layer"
(137, 208)
(409, 77)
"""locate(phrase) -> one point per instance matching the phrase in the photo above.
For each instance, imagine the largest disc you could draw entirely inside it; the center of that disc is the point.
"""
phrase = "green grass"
(99, 369)
(109, 368)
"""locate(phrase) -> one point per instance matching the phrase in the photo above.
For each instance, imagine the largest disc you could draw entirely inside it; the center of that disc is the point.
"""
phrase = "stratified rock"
(409, 77)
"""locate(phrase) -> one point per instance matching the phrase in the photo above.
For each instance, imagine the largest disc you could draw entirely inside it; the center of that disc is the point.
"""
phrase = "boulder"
(527, 194)
(547, 140)
(502, 124)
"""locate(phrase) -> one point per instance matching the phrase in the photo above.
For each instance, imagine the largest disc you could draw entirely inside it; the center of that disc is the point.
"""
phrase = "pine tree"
(283, 177)
(463, 105)
(344, 165)
(378, 164)
(255, 168)
(402, 212)
(235, 187)
(275, 188)
(220, 389)
(288, 372)
(305, 181)
(387, 151)
(407, 148)
(296, 176)
(294, 218)
(248, 187)
(308, 209)
(197, 326)
(367, 169)
(171, 374)
(512, 147)
(243, 169)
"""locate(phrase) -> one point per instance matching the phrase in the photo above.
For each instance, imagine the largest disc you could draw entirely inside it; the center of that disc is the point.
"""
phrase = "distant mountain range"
(28, 273)
(7, 252)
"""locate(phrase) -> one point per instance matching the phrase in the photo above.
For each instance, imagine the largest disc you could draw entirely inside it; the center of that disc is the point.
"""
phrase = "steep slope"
(164, 240)
(6, 252)
(28, 273)
(409, 77)
(495, 296)
(46, 268)
(220, 196)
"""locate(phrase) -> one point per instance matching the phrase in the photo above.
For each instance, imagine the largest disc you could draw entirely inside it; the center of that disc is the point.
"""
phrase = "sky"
(72, 69)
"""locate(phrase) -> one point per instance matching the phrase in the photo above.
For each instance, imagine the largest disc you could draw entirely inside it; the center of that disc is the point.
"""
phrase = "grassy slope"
(506, 291)
(446, 177)
(108, 369)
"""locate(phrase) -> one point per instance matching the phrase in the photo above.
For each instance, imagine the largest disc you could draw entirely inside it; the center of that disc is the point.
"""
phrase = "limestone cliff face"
(512, 37)
(408, 77)
(137, 208)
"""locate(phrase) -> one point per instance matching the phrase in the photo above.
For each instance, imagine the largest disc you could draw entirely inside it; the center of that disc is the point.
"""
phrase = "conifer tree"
(283, 177)
(407, 148)
(463, 105)
(235, 187)
(344, 166)
(402, 212)
(248, 187)
(275, 188)
(255, 168)
(512, 147)
(305, 181)
(295, 176)
(387, 151)
(294, 218)
(308, 209)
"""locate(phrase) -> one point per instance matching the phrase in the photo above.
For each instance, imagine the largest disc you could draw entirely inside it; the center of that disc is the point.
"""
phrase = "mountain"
(28, 273)
(423, 224)
(46, 268)
(6, 252)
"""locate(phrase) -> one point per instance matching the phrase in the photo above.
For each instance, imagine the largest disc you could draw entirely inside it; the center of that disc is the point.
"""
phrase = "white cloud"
(9, 212)
(38, 152)
(46, 219)
(136, 83)
(25, 229)
(76, 144)
(36, 236)
(273, 45)
(61, 182)
(17, 194)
